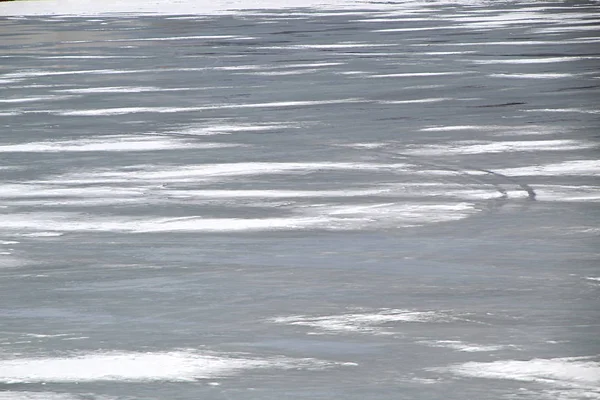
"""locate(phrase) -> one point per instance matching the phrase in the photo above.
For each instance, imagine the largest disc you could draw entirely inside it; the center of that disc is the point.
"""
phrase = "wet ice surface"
(381, 202)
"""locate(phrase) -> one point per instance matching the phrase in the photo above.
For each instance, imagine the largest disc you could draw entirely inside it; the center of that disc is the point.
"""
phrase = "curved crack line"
(498, 188)
(531, 194)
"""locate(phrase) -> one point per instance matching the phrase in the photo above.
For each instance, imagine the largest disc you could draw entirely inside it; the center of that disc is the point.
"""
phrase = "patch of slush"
(41, 335)
(416, 29)
(193, 173)
(226, 129)
(527, 17)
(456, 191)
(177, 38)
(256, 67)
(34, 99)
(374, 322)
(20, 191)
(571, 378)
(471, 147)
(126, 110)
(565, 110)
(394, 19)
(168, 110)
(418, 74)
(392, 215)
(108, 143)
(548, 75)
(466, 192)
(41, 234)
(34, 73)
(12, 395)
(318, 216)
(331, 46)
(73, 222)
(560, 29)
(582, 40)
(538, 60)
(281, 73)
(121, 89)
(162, 7)
(566, 168)
(88, 57)
(464, 347)
(448, 53)
(416, 101)
(502, 130)
(593, 280)
(567, 193)
(447, 203)
(272, 194)
(174, 366)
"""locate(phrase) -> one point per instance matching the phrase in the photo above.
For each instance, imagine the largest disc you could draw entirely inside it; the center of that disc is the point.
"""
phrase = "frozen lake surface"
(375, 201)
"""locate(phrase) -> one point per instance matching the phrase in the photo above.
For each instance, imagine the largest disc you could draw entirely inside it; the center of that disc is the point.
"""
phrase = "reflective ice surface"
(376, 201)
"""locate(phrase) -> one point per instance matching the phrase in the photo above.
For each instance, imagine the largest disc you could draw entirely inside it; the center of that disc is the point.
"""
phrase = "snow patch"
(174, 366)
(373, 322)
(565, 374)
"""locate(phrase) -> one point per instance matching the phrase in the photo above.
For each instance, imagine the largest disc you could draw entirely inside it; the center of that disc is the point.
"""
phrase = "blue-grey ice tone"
(385, 201)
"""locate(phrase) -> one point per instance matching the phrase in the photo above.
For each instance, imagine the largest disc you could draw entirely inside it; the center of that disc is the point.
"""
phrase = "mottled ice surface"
(299, 200)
